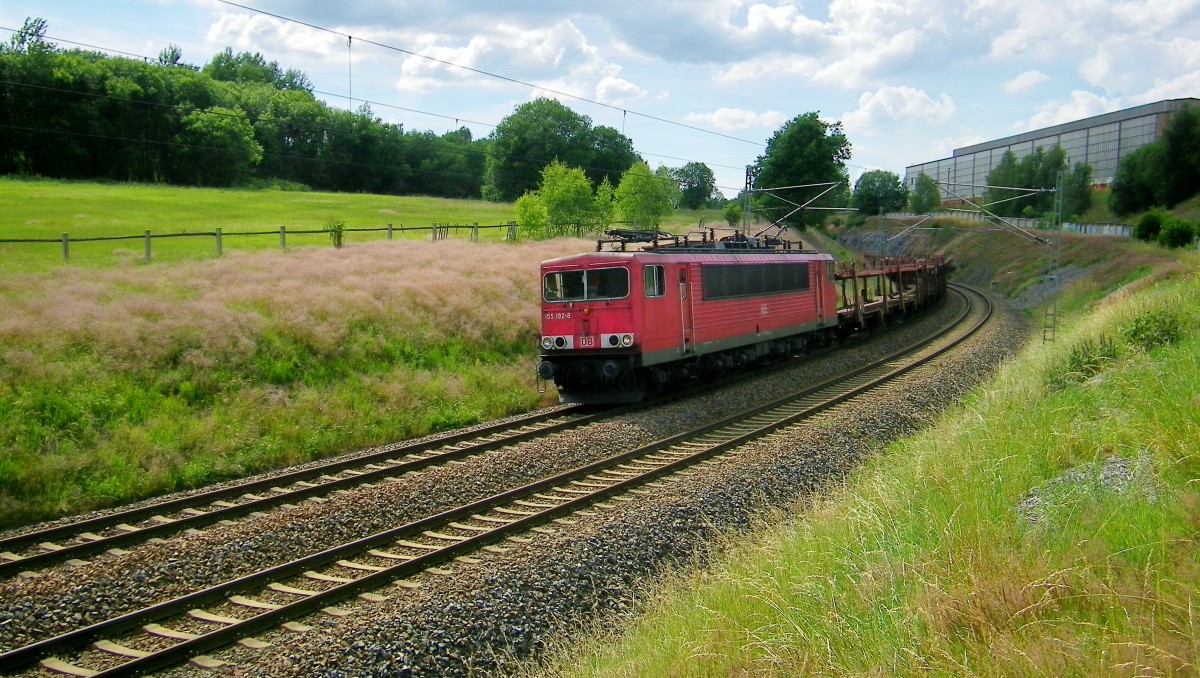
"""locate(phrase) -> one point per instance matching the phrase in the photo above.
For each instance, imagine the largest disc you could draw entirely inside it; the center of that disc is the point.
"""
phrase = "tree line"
(240, 119)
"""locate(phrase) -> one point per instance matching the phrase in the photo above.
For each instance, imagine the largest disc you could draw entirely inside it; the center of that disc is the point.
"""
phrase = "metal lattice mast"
(1053, 262)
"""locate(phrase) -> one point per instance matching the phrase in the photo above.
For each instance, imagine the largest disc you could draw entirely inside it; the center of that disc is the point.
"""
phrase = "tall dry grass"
(119, 383)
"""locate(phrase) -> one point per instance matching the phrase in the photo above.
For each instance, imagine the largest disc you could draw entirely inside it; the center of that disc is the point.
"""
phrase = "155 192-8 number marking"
(559, 315)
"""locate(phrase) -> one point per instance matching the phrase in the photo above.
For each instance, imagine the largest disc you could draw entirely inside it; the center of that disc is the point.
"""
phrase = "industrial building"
(1100, 141)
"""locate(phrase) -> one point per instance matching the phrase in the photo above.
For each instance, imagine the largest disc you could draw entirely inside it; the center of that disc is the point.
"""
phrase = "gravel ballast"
(487, 619)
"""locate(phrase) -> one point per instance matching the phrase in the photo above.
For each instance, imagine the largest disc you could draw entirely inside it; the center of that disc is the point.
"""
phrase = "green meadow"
(47, 209)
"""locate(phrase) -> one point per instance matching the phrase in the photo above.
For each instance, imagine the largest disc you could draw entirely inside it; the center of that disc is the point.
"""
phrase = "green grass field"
(47, 209)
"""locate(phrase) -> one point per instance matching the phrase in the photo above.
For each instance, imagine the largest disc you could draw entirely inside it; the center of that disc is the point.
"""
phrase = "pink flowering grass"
(125, 382)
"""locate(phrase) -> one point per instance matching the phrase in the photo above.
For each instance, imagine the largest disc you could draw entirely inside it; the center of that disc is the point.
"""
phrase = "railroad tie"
(60, 666)
(317, 576)
(350, 564)
(206, 616)
(164, 632)
(253, 603)
(120, 650)
(291, 590)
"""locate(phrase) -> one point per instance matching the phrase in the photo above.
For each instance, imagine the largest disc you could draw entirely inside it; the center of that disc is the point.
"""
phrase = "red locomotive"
(618, 325)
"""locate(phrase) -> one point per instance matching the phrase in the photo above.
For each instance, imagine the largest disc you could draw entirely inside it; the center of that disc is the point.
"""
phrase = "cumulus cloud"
(1080, 105)
(618, 91)
(735, 119)
(901, 104)
(1025, 81)
(256, 32)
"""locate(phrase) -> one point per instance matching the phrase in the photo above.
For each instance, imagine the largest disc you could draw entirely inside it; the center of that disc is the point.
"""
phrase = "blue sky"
(910, 80)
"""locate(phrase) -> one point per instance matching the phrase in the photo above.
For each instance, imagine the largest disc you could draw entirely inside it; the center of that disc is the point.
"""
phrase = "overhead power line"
(487, 73)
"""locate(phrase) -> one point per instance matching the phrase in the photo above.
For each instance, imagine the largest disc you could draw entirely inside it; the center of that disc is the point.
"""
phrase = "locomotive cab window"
(652, 277)
(591, 285)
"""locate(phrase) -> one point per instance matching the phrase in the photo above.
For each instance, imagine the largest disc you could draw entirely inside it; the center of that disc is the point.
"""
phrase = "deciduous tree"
(805, 150)
(925, 196)
(527, 140)
(643, 198)
(697, 185)
(879, 190)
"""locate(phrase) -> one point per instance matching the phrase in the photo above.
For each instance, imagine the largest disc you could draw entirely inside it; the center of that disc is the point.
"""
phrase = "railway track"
(119, 531)
(190, 626)
(124, 529)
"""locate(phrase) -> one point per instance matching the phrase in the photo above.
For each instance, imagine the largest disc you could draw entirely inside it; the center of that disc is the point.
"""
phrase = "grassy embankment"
(937, 559)
(120, 380)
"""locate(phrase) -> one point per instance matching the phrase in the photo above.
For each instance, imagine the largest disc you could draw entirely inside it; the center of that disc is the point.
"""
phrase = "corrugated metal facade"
(1100, 141)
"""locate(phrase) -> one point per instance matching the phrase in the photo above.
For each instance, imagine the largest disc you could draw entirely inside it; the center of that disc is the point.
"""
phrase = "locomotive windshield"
(593, 284)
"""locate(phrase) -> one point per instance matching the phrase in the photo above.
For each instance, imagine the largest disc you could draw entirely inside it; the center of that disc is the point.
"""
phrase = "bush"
(1086, 360)
(336, 228)
(732, 213)
(1176, 232)
(1148, 227)
(532, 216)
(1152, 328)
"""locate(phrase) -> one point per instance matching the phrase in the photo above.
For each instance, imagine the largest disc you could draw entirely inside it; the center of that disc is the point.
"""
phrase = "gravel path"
(486, 618)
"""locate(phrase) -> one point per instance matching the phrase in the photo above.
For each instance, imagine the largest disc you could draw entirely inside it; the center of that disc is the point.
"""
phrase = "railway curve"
(420, 528)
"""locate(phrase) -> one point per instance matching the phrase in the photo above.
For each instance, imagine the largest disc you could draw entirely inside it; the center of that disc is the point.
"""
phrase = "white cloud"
(902, 104)
(618, 91)
(1184, 86)
(1025, 81)
(420, 73)
(256, 33)
(735, 119)
(1081, 105)
(944, 147)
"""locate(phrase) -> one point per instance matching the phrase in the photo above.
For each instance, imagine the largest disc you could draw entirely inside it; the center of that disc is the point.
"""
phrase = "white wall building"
(1100, 141)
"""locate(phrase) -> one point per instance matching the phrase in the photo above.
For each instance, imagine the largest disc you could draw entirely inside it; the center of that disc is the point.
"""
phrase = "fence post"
(282, 237)
(66, 240)
(147, 245)
(475, 232)
(433, 233)
(389, 231)
(512, 231)
(218, 241)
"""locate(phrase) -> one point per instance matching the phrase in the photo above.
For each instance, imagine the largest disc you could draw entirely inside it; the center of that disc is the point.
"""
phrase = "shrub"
(1176, 232)
(1156, 327)
(732, 213)
(1148, 227)
(336, 228)
(532, 216)
(1086, 359)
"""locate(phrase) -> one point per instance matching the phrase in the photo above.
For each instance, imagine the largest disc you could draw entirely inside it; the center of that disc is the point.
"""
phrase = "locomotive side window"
(726, 282)
(593, 284)
(652, 277)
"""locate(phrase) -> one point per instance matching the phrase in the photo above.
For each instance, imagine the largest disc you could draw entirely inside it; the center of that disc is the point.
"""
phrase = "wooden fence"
(436, 232)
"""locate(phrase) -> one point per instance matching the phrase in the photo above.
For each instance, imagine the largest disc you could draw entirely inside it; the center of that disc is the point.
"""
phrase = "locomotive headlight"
(627, 340)
(547, 343)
